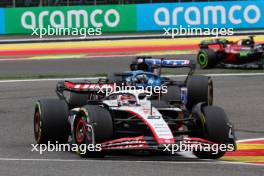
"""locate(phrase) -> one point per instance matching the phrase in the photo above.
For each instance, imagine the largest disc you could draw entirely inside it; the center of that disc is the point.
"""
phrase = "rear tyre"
(214, 123)
(200, 89)
(206, 58)
(173, 94)
(159, 103)
(101, 121)
(77, 100)
(51, 121)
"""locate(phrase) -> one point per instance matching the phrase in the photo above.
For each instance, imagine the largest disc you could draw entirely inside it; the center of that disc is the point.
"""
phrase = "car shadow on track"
(145, 156)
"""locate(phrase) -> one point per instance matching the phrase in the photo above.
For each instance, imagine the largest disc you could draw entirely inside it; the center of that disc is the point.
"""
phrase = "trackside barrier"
(136, 18)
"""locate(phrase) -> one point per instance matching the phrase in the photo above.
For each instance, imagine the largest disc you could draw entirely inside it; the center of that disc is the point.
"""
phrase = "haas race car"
(128, 121)
(244, 53)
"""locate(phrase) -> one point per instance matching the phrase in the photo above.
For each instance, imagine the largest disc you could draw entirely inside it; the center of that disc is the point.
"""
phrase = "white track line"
(95, 78)
(95, 160)
(225, 74)
(248, 140)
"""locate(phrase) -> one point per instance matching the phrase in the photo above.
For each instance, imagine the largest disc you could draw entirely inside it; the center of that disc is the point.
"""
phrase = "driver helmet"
(126, 100)
(247, 42)
(141, 79)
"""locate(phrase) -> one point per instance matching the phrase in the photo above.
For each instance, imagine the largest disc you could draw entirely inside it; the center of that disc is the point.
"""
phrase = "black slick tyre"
(51, 121)
(101, 121)
(206, 58)
(200, 89)
(214, 124)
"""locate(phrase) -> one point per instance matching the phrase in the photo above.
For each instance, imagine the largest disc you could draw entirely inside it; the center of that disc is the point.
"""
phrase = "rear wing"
(220, 41)
(167, 63)
(148, 64)
(83, 87)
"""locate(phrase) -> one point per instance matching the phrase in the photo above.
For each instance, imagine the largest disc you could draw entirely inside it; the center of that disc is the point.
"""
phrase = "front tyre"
(214, 124)
(102, 128)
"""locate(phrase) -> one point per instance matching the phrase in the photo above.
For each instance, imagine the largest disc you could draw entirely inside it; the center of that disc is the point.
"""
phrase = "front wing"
(149, 143)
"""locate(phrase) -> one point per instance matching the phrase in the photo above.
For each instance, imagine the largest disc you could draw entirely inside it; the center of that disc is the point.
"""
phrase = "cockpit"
(143, 79)
(249, 42)
(127, 99)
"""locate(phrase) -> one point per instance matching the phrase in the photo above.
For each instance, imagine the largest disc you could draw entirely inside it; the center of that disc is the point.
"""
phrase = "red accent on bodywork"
(69, 84)
(231, 51)
(127, 146)
(126, 143)
(234, 48)
(231, 57)
(80, 139)
(215, 46)
(123, 139)
(83, 86)
(140, 143)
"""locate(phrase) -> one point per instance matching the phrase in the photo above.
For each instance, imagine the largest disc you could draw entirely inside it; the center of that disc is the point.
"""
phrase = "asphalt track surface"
(242, 98)
(83, 66)
(67, 67)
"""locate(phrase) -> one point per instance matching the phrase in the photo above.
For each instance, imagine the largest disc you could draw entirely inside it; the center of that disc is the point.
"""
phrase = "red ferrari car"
(244, 53)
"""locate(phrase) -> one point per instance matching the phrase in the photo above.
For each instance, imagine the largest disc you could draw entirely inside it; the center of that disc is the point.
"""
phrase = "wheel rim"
(80, 132)
(210, 92)
(37, 125)
(202, 59)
